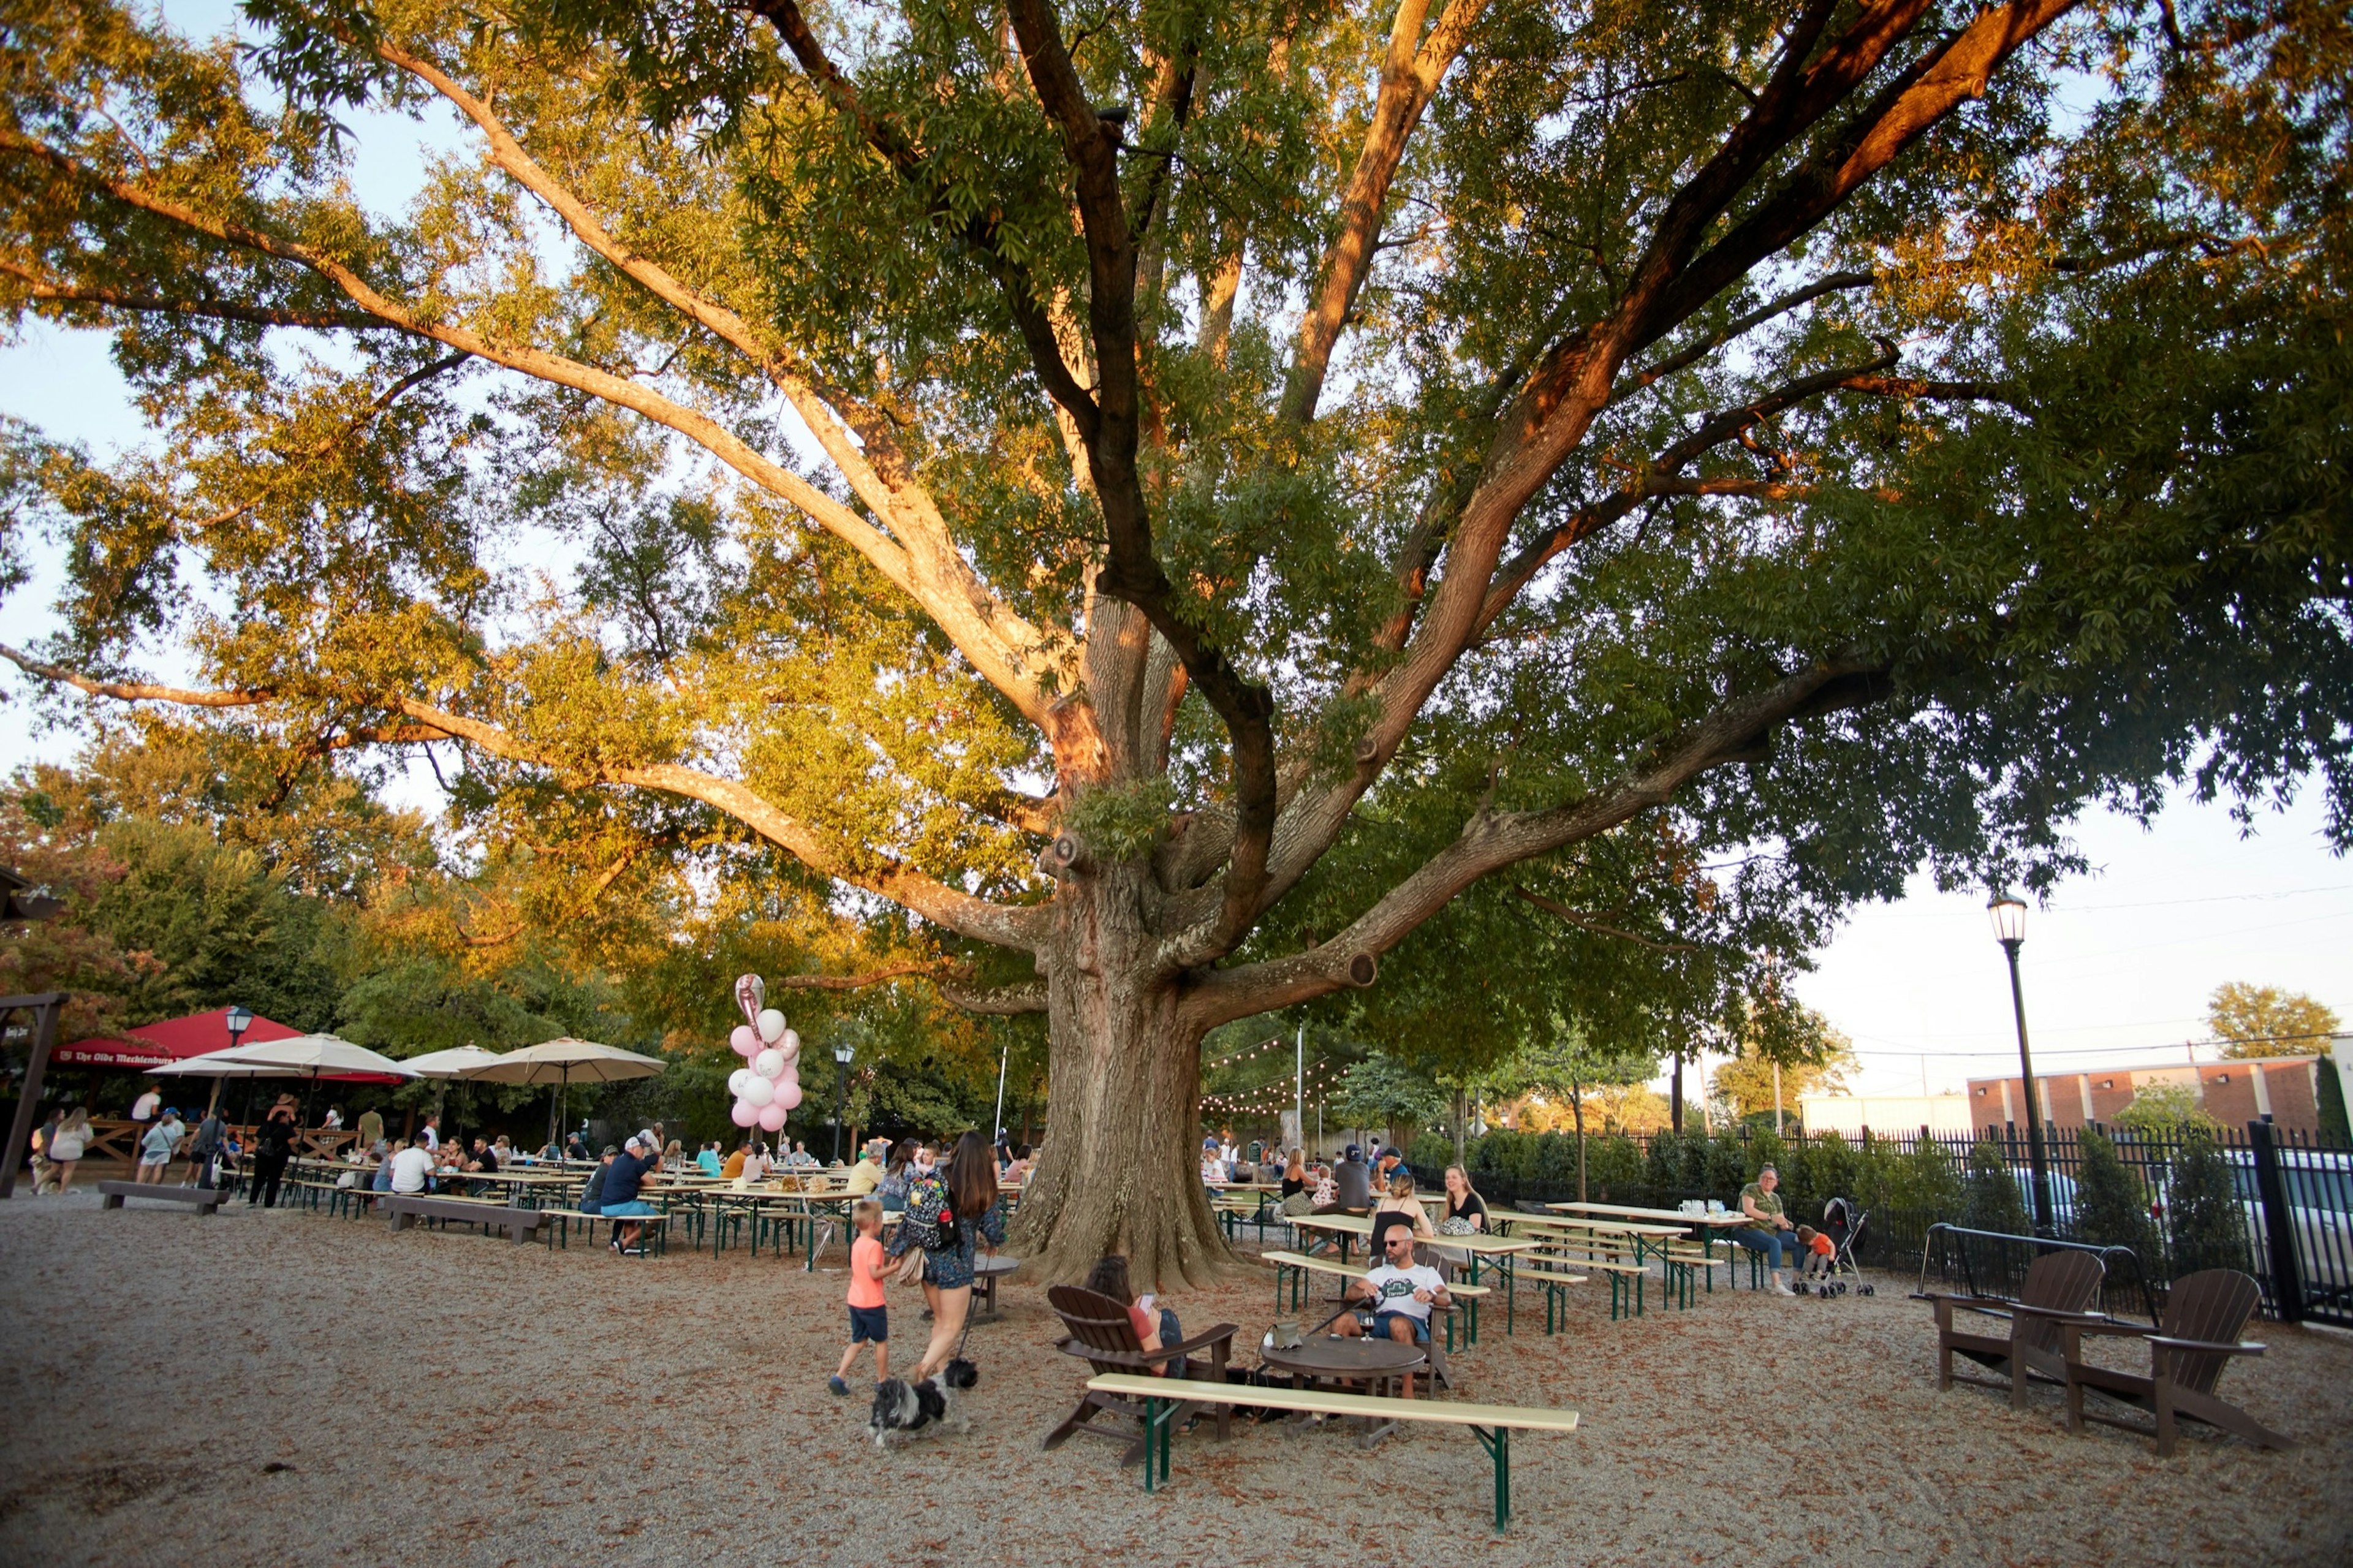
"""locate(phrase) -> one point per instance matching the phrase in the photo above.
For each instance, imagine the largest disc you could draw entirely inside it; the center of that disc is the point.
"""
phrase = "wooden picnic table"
(1726, 1219)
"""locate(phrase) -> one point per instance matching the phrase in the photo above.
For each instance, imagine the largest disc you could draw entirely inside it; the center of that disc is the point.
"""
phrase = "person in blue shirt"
(708, 1160)
(622, 1178)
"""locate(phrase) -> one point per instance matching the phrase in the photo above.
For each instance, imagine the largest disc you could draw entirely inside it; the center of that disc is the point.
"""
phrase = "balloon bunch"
(769, 1084)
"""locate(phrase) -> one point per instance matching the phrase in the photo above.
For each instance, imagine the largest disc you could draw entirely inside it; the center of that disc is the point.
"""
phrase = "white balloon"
(768, 1063)
(758, 1092)
(771, 1025)
(736, 1081)
(790, 1045)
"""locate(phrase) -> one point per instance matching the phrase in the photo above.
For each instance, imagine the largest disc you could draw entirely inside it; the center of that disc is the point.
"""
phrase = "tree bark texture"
(1118, 1169)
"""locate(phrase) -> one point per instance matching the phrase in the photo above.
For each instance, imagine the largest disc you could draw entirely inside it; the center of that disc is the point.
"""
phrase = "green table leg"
(1498, 1443)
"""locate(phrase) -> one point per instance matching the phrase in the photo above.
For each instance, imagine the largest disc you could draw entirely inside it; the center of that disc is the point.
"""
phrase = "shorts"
(147, 1159)
(869, 1323)
(1379, 1326)
(635, 1208)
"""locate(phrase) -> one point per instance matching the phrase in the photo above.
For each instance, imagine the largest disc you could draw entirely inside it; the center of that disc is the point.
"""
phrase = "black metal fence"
(2271, 1202)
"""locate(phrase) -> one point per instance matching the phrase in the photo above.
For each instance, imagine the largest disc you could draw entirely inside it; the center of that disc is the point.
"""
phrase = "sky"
(2116, 970)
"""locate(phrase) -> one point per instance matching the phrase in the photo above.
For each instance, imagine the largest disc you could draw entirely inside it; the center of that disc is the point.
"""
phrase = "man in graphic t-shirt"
(1400, 1294)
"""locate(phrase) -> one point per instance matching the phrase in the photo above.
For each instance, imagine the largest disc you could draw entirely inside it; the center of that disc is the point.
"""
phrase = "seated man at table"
(708, 1161)
(1400, 1293)
(866, 1175)
(410, 1166)
(619, 1198)
(1352, 1185)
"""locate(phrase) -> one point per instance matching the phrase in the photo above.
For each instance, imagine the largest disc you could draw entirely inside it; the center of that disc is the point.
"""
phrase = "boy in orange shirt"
(1822, 1253)
(869, 1321)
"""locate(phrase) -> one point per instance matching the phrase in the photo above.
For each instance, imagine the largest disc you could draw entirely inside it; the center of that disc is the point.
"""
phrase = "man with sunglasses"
(1400, 1294)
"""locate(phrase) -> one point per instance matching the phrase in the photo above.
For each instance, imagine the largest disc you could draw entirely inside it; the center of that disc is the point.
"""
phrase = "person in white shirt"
(410, 1168)
(142, 1112)
(1400, 1293)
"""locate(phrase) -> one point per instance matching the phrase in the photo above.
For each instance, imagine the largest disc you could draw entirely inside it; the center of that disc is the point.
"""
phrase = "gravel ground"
(283, 1387)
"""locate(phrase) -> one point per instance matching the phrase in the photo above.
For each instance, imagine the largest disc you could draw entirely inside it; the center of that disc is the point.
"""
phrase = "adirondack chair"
(2059, 1289)
(1103, 1336)
(2187, 1354)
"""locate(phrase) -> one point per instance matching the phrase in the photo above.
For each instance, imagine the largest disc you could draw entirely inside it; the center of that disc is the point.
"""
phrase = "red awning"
(138, 1055)
(172, 1039)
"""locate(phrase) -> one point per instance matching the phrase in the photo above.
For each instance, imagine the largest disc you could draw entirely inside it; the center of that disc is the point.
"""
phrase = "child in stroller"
(1831, 1250)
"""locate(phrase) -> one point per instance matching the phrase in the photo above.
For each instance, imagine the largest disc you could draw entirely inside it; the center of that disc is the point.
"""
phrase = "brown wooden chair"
(2187, 1353)
(1103, 1336)
(2059, 1289)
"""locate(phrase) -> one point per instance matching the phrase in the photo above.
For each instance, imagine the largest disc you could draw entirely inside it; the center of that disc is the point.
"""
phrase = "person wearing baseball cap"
(639, 1155)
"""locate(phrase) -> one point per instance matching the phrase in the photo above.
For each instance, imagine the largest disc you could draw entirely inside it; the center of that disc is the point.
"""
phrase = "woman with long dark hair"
(948, 1220)
(897, 1174)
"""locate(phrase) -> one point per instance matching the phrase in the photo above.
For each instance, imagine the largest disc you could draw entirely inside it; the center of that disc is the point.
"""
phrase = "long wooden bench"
(407, 1208)
(559, 1233)
(1492, 1423)
(204, 1200)
(1572, 1257)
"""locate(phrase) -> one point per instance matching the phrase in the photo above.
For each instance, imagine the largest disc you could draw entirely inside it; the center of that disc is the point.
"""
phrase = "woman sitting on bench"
(1769, 1230)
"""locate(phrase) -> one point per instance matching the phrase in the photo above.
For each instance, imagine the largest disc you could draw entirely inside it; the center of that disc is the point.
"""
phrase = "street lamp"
(841, 1055)
(2009, 916)
(239, 1019)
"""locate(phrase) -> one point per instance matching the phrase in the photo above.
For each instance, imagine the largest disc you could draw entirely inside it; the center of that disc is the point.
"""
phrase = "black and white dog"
(906, 1408)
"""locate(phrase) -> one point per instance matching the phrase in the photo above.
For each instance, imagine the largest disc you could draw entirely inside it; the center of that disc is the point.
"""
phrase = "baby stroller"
(1843, 1223)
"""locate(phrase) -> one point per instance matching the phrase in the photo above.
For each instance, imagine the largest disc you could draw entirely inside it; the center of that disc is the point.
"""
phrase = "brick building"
(2285, 1088)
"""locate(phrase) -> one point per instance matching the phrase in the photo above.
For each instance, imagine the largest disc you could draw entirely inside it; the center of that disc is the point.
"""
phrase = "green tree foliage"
(1384, 1091)
(2205, 1218)
(2111, 1204)
(2166, 1108)
(1874, 432)
(2265, 1021)
(1990, 1199)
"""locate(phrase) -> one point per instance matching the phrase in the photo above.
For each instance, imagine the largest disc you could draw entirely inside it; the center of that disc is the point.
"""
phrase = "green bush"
(2111, 1209)
(1726, 1170)
(1431, 1151)
(1555, 1161)
(1922, 1182)
(1991, 1200)
(1662, 1168)
(1823, 1168)
(1614, 1170)
(2203, 1215)
(1503, 1152)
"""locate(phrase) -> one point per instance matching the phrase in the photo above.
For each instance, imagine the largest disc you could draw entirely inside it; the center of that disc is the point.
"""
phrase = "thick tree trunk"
(1119, 1168)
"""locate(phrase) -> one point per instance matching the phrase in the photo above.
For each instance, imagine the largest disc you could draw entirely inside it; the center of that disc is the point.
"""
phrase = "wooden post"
(45, 1007)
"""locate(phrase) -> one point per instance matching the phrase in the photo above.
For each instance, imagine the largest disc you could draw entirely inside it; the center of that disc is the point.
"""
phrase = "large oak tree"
(1169, 494)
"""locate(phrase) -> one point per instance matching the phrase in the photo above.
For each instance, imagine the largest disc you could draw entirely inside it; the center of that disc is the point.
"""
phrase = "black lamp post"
(239, 1019)
(842, 1053)
(2009, 916)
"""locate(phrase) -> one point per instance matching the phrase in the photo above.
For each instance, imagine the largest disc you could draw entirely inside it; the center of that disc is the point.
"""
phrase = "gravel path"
(283, 1387)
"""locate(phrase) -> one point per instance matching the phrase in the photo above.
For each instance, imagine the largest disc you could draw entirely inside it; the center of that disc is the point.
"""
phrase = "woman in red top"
(1154, 1329)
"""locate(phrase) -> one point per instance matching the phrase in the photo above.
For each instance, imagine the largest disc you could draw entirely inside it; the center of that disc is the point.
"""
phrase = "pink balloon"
(772, 1117)
(743, 1115)
(746, 1043)
(788, 1093)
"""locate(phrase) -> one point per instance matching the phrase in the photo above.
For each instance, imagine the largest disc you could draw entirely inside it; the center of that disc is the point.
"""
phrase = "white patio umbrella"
(558, 1062)
(459, 1061)
(306, 1057)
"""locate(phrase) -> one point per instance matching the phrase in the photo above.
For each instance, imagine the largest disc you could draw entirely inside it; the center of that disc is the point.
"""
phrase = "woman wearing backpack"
(945, 1223)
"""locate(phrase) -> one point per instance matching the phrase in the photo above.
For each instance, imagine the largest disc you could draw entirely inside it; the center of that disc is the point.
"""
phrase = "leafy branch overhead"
(1283, 462)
